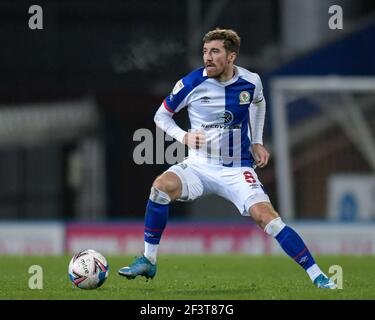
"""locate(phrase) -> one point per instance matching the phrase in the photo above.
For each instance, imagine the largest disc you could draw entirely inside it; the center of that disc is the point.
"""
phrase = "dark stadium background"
(126, 56)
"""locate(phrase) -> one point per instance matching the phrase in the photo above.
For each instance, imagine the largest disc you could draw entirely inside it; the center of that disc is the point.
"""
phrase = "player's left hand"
(260, 154)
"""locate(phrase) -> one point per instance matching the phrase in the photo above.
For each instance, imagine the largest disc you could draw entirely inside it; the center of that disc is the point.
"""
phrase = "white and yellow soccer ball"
(88, 269)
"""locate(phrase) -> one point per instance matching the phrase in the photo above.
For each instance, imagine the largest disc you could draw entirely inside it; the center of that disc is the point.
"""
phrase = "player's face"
(218, 62)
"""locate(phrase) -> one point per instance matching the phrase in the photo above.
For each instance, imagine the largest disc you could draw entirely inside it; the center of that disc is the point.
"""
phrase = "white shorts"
(240, 185)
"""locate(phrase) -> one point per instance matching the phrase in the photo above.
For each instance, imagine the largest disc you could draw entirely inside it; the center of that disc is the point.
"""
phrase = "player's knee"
(164, 185)
(167, 186)
(263, 213)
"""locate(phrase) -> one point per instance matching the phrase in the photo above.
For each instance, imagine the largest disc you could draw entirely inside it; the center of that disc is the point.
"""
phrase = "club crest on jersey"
(178, 87)
(244, 97)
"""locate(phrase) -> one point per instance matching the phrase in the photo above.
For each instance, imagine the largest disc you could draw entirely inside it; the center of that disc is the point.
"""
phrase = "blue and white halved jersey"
(221, 111)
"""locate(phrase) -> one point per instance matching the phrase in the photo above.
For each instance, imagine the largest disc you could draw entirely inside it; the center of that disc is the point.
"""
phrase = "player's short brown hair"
(230, 37)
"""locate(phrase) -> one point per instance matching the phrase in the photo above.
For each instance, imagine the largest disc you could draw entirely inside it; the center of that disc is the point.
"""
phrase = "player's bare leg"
(269, 220)
(166, 188)
(169, 183)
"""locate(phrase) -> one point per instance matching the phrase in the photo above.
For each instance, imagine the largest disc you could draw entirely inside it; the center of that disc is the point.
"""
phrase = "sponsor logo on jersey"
(178, 87)
(224, 121)
(221, 126)
(226, 117)
(244, 97)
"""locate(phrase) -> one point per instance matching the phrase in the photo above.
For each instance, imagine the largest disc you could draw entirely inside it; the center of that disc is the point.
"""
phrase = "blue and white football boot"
(140, 267)
(322, 281)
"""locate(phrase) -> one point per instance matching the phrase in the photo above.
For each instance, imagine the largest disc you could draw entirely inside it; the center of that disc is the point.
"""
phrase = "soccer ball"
(88, 269)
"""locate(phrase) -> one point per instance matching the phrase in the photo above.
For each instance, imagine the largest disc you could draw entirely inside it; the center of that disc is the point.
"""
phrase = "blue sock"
(155, 221)
(294, 246)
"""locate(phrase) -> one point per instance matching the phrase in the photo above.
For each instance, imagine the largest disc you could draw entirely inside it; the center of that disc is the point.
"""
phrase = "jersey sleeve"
(258, 92)
(179, 97)
(164, 120)
(257, 117)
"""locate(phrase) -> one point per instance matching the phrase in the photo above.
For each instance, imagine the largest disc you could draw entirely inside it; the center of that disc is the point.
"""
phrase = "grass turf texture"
(233, 277)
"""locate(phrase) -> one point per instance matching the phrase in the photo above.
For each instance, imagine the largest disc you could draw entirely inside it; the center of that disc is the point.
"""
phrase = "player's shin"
(157, 210)
(293, 245)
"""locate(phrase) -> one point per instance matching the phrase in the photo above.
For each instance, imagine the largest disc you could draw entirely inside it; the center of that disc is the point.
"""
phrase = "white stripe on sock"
(151, 251)
(313, 272)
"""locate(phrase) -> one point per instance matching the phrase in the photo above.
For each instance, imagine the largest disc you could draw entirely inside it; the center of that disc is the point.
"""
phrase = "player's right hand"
(194, 140)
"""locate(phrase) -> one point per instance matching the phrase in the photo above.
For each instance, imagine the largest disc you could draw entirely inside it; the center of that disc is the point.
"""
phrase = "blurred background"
(73, 94)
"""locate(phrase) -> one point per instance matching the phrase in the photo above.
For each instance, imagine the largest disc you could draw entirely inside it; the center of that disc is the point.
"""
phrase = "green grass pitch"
(213, 277)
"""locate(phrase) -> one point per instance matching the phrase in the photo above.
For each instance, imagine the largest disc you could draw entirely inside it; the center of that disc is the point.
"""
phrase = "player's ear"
(232, 57)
